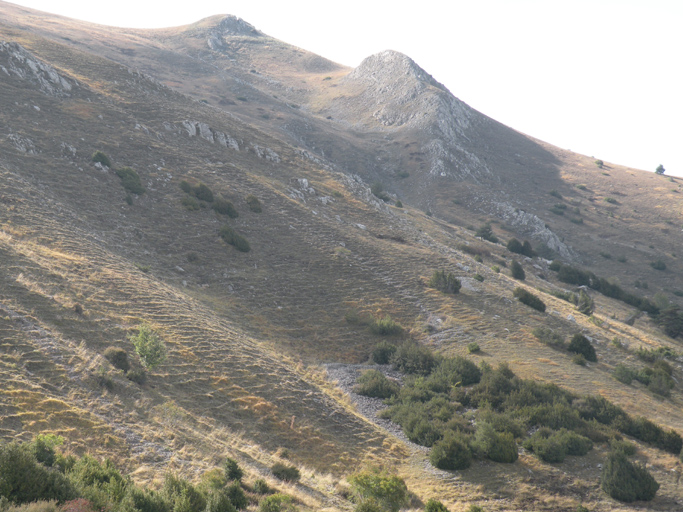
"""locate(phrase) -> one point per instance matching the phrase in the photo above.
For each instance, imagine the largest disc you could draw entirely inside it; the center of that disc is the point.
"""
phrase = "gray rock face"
(15, 60)
(203, 130)
(532, 226)
(399, 95)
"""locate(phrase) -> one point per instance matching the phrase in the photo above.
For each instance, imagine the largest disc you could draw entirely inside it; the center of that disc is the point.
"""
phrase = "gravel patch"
(345, 375)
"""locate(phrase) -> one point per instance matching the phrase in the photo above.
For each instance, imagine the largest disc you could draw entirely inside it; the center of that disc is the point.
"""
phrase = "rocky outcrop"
(532, 226)
(203, 130)
(15, 60)
(229, 26)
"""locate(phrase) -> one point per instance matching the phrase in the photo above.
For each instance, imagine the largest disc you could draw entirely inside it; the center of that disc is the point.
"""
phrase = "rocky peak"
(228, 26)
(389, 67)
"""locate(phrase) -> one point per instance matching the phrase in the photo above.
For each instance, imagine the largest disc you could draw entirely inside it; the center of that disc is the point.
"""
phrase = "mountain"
(314, 157)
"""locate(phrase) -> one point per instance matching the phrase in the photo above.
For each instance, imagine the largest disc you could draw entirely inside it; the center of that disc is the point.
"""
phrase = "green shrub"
(529, 299)
(398, 204)
(497, 446)
(99, 157)
(276, 503)
(629, 449)
(236, 495)
(232, 470)
(516, 271)
(626, 481)
(23, 479)
(203, 193)
(556, 194)
(411, 357)
(261, 486)
(129, 200)
(190, 203)
(144, 500)
(446, 283)
(218, 501)
(43, 448)
(547, 446)
(661, 383)
(580, 345)
(473, 348)
(99, 482)
(254, 204)
(388, 491)
(186, 187)
(224, 207)
(286, 473)
(150, 348)
(103, 378)
(130, 180)
(435, 506)
(585, 304)
(623, 374)
(377, 190)
(484, 231)
(579, 359)
(514, 245)
(455, 370)
(375, 384)
(137, 375)
(118, 357)
(385, 327)
(451, 453)
(231, 237)
(658, 265)
(549, 337)
(383, 352)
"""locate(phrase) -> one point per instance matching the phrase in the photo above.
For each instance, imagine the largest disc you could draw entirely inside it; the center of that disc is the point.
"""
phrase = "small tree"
(585, 304)
(446, 283)
(389, 491)
(660, 169)
(232, 470)
(581, 345)
(517, 271)
(99, 157)
(149, 347)
(626, 481)
(484, 231)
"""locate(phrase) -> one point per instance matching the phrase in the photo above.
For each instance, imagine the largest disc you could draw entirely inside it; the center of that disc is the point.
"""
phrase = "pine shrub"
(451, 453)
(261, 486)
(411, 357)
(224, 207)
(231, 237)
(529, 299)
(232, 470)
(435, 506)
(383, 352)
(375, 384)
(446, 283)
(626, 481)
(285, 473)
(276, 503)
(580, 345)
(100, 157)
(130, 180)
(254, 204)
(118, 357)
(516, 271)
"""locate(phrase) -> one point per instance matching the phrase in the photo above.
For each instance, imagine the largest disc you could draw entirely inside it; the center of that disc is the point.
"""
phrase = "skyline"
(599, 78)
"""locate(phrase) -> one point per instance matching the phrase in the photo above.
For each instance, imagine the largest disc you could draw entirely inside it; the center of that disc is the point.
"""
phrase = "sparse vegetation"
(100, 157)
(254, 204)
(445, 282)
(658, 265)
(286, 473)
(130, 180)
(528, 298)
(485, 232)
(231, 237)
(118, 357)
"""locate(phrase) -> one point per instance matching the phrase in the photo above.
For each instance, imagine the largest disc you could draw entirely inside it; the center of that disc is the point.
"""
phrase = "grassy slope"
(245, 331)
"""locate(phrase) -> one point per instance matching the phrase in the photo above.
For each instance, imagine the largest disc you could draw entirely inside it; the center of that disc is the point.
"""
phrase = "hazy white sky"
(600, 77)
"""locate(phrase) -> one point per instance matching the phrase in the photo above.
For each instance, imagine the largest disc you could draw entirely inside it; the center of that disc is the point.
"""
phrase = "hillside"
(85, 262)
